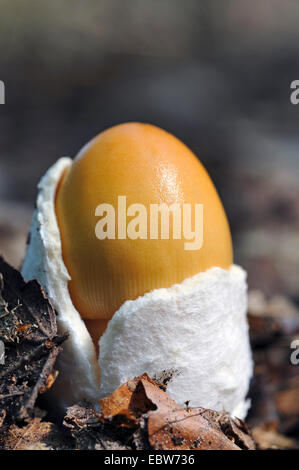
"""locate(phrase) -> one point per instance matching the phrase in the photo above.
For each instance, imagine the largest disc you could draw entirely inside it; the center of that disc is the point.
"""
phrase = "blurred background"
(215, 74)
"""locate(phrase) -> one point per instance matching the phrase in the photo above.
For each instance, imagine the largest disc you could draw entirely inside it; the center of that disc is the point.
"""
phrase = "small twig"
(10, 395)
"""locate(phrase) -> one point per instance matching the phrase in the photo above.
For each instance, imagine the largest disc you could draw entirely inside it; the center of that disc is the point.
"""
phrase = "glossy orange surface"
(148, 166)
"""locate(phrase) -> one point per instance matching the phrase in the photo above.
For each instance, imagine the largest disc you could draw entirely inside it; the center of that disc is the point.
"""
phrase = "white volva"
(195, 331)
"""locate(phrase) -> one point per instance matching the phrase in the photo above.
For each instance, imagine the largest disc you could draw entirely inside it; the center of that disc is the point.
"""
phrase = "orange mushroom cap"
(148, 166)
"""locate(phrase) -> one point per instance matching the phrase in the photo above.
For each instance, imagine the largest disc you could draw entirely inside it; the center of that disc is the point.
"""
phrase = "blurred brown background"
(216, 74)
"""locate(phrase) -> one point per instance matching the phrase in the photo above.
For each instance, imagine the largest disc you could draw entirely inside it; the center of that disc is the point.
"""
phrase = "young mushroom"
(132, 245)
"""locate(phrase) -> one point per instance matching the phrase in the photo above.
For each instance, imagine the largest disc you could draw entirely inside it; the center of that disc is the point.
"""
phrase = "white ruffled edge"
(197, 329)
(79, 376)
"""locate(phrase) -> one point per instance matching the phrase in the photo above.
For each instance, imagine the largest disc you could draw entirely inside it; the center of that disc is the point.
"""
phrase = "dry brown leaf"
(128, 402)
(237, 430)
(172, 427)
(142, 404)
(29, 333)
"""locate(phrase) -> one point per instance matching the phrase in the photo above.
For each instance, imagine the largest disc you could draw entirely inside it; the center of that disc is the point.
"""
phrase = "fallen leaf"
(29, 334)
(160, 423)
(237, 430)
(172, 427)
(128, 402)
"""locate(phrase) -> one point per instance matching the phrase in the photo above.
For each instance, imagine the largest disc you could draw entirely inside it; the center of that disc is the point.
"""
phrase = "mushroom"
(133, 248)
